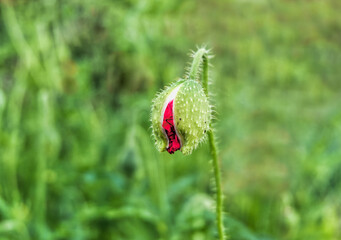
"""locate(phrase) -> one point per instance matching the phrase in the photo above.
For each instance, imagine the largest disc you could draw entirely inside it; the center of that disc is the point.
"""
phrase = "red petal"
(168, 125)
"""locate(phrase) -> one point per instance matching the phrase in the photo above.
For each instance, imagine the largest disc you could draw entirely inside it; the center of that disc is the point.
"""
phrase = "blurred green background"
(77, 160)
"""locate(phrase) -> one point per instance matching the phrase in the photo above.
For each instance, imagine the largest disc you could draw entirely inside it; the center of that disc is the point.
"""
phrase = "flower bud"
(181, 116)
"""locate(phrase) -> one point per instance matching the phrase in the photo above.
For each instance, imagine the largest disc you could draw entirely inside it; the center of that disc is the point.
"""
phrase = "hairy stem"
(219, 194)
(200, 60)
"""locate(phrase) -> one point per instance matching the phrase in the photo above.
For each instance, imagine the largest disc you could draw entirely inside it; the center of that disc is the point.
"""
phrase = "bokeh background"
(77, 78)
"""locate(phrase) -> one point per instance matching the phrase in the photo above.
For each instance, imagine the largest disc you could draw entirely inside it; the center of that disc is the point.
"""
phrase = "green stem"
(200, 59)
(219, 194)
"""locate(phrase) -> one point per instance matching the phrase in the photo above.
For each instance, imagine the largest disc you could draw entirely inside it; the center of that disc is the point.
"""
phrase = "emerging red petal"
(168, 125)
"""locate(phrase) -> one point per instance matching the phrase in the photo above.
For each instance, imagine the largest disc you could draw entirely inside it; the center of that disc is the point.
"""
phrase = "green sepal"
(192, 115)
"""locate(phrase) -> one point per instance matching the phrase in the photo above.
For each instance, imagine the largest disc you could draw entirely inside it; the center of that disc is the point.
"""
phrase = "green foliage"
(77, 160)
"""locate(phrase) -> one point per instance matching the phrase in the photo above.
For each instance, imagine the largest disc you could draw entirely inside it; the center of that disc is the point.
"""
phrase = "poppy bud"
(181, 116)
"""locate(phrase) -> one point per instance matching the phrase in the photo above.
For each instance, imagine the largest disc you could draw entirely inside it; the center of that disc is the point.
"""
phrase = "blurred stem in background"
(41, 64)
(200, 60)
